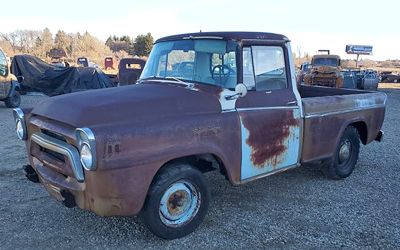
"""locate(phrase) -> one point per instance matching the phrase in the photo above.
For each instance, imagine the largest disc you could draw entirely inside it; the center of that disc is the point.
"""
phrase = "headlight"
(86, 157)
(87, 148)
(20, 127)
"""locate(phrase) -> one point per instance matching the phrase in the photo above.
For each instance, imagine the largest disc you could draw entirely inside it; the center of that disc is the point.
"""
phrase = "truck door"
(269, 113)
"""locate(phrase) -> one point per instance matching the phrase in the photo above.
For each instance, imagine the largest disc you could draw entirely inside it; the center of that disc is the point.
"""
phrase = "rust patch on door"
(268, 132)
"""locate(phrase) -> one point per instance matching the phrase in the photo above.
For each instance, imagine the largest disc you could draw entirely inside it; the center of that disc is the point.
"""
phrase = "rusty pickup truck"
(224, 101)
(325, 71)
(9, 86)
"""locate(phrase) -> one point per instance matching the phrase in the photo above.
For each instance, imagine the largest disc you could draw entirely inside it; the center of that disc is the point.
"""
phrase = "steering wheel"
(223, 73)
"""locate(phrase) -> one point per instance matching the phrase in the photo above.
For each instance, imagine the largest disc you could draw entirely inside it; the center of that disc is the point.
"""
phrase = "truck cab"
(8, 84)
(233, 106)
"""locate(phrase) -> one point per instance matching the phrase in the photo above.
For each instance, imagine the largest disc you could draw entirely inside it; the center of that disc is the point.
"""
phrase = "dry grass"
(384, 85)
(381, 69)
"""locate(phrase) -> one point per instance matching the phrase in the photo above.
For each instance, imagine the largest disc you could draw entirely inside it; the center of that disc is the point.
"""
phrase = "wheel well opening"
(362, 131)
(203, 162)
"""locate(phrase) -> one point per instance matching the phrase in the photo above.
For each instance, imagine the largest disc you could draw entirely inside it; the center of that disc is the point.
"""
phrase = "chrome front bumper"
(61, 147)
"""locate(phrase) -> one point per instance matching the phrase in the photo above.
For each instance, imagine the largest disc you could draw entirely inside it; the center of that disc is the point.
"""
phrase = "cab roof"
(227, 35)
(327, 56)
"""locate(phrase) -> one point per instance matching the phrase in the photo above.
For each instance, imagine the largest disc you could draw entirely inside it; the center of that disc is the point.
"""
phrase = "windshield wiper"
(176, 79)
(189, 85)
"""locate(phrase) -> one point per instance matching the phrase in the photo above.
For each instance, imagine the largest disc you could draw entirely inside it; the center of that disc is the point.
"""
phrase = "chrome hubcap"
(179, 204)
(344, 151)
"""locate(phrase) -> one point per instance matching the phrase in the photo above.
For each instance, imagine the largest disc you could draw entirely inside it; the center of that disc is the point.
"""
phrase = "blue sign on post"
(359, 49)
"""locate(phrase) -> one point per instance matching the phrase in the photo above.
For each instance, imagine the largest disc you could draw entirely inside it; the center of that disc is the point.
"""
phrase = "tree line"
(40, 43)
(140, 46)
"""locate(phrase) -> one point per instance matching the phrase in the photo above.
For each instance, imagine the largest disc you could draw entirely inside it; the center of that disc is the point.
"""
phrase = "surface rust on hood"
(149, 101)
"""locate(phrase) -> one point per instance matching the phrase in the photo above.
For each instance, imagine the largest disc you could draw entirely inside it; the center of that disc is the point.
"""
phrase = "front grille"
(324, 81)
(53, 154)
(54, 135)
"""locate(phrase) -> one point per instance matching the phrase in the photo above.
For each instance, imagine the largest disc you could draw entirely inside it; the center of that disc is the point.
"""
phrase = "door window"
(269, 68)
(248, 70)
(3, 64)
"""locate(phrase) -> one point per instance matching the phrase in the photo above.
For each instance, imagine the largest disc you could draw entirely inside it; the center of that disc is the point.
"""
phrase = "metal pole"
(357, 60)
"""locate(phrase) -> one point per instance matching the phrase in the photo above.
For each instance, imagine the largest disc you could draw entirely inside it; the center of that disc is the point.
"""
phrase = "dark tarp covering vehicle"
(129, 70)
(51, 80)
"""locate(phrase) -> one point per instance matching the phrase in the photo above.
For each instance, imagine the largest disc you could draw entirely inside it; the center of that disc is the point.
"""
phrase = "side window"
(248, 70)
(269, 67)
(3, 64)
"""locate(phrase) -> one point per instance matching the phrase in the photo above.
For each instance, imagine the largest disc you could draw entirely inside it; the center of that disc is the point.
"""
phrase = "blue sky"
(310, 24)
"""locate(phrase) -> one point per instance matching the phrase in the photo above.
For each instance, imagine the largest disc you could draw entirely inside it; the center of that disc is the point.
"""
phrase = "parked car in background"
(389, 76)
(9, 87)
(85, 62)
(325, 71)
(143, 149)
(304, 69)
(108, 63)
(360, 79)
(129, 70)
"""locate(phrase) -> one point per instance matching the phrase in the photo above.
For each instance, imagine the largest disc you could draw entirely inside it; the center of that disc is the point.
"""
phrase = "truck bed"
(318, 91)
(328, 111)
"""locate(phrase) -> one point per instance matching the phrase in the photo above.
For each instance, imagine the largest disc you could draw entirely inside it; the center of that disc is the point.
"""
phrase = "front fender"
(15, 86)
(123, 145)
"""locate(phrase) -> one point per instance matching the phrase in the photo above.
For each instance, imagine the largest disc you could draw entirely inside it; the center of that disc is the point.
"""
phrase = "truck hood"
(131, 103)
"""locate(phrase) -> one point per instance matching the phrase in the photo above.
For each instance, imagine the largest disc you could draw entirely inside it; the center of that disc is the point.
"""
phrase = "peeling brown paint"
(267, 135)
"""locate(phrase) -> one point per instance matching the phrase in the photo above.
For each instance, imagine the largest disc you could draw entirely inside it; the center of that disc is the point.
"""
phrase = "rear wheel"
(177, 202)
(13, 101)
(346, 156)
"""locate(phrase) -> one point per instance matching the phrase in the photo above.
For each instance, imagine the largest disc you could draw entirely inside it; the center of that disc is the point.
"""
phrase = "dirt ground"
(295, 209)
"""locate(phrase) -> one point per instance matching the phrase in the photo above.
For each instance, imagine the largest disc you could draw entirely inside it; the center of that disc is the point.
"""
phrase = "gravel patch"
(296, 209)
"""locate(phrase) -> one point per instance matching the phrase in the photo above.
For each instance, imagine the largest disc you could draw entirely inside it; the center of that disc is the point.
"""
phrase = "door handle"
(268, 92)
(291, 103)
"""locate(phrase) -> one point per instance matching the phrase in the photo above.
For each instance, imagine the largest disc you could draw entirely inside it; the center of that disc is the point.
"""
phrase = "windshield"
(203, 60)
(326, 62)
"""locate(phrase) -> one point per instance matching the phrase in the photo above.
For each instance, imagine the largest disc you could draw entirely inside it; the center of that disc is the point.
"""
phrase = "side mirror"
(241, 90)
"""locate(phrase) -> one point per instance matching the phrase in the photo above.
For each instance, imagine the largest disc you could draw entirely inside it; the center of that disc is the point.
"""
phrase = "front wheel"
(346, 156)
(13, 101)
(177, 202)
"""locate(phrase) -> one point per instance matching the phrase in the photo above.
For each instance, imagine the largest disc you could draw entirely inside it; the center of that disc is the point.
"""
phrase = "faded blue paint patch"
(288, 158)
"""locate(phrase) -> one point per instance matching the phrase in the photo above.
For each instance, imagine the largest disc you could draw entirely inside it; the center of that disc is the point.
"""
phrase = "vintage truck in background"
(143, 149)
(325, 71)
(9, 87)
(304, 69)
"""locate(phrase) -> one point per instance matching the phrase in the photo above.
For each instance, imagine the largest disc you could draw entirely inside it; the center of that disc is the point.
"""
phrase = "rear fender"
(359, 129)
